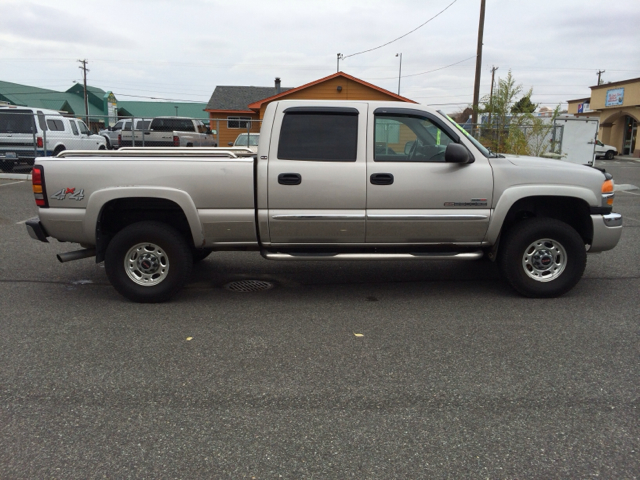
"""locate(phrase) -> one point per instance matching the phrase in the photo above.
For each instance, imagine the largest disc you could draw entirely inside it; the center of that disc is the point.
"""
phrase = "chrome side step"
(372, 256)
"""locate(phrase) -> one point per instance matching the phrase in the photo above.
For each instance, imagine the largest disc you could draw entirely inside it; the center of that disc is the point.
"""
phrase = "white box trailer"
(578, 140)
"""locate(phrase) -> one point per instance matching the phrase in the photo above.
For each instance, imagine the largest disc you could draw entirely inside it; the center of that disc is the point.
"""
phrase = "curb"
(15, 176)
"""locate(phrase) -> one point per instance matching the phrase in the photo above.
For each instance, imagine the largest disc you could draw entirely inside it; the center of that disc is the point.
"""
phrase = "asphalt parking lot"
(342, 370)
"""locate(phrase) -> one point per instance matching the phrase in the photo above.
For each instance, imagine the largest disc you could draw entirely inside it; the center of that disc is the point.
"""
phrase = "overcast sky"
(181, 50)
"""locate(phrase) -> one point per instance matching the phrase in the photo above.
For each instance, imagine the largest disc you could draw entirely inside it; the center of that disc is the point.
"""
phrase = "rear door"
(316, 174)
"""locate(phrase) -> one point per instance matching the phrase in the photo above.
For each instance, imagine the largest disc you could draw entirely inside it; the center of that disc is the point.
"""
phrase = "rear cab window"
(17, 121)
(319, 134)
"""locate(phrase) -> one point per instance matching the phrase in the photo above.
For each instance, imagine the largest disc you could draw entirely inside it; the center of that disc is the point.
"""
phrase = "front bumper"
(36, 230)
(607, 230)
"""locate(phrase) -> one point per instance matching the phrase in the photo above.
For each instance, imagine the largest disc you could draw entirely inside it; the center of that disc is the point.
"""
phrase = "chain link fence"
(28, 133)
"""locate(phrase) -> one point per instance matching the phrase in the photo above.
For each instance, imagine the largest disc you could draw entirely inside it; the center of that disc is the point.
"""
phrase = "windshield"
(475, 142)
(241, 141)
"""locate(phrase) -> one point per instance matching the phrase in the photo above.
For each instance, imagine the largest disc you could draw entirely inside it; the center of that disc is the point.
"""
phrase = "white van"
(27, 133)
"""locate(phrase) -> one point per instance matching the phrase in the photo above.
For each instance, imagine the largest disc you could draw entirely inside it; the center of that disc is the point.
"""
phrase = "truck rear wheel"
(542, 257)
(148, 262)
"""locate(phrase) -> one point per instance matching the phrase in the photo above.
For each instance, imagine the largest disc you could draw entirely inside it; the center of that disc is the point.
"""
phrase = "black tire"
(102, 147)
(200, 254)
(542, 257)
(166, 248)
(58, 149)
(609, 155)
(108, 142)
(6, 166)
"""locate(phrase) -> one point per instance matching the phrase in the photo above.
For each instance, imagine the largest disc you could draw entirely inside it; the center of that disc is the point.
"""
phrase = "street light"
(400, 72)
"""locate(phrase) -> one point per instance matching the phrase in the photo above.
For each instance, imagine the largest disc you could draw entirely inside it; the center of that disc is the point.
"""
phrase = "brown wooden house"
(234, 110)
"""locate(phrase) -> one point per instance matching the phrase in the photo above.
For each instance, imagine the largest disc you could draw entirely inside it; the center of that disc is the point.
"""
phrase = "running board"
(373, 256)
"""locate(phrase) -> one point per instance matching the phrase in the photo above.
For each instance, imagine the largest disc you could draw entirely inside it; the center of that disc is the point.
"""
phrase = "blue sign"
(615, 97)
(580, 107)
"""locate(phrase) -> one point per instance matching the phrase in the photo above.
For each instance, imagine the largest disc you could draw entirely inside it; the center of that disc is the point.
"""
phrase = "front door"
(316, 174)
(413, 195)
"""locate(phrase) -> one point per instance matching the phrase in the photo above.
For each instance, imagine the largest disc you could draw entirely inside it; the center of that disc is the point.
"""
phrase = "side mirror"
(456, 153)
(208, 131)
(230, 144)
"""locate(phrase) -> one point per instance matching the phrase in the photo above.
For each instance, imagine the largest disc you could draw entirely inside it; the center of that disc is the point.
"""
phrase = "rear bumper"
(36, 230)
(607, 230)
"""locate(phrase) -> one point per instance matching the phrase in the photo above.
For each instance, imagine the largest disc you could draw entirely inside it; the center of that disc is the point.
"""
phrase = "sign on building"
(615, 97)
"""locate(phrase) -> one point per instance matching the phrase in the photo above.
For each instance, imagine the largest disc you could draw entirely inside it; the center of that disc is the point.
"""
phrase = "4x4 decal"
(69, 193)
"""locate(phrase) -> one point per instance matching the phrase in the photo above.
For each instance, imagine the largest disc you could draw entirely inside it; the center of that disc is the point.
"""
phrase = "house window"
(239, 122)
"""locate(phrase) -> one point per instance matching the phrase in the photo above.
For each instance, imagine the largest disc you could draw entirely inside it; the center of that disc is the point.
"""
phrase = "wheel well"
(122, 212)
(570, 210)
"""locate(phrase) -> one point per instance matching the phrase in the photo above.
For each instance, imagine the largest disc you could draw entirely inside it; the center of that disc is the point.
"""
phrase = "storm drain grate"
(245, 286)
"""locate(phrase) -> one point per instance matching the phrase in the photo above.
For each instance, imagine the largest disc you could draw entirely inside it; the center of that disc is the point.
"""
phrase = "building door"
(630, 135)
(316, 174)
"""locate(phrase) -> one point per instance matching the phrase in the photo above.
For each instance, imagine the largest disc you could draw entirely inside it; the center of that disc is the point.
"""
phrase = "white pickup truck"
(170, 132)
(353, 180)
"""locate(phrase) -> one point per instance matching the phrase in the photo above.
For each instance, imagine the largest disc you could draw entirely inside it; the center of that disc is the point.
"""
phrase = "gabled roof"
(230, 98)
(257, 104)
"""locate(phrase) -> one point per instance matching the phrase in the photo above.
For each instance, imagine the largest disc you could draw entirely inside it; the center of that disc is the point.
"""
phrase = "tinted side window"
(171, 124)
(74, 128)
(331, 137)
(41, 121)
(55, 125)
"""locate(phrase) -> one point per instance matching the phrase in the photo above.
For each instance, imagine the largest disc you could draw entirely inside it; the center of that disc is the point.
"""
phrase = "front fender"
(511, 195)
(98, 199)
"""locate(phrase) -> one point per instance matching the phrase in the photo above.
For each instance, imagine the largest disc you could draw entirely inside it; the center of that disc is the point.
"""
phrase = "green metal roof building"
(104, 109)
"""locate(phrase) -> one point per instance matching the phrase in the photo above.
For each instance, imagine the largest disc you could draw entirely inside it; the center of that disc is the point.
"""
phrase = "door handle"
(381, 179)
(289, 179)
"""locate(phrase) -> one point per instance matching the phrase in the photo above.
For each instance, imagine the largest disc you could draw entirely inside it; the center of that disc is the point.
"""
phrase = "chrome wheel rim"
(146, 264)
(544, 260)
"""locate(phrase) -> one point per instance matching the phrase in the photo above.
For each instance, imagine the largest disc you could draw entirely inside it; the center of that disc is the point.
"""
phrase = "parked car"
(171, 132)
(242, 139)
(606, 151)
(112, 134)
(27, 133)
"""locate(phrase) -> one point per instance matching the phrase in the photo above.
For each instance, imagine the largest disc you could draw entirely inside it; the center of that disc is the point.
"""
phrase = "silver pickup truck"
(331, 180)
(170, 132)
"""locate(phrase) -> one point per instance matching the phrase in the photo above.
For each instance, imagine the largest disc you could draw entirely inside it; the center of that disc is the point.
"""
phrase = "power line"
(402, 36)
(423, 73)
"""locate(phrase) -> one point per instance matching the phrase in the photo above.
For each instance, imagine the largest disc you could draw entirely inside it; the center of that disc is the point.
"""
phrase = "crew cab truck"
(170, 132)
(332, 180)
(112, 134)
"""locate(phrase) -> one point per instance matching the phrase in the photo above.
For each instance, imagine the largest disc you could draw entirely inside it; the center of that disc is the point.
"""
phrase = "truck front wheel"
(542, 257)
(148, 262)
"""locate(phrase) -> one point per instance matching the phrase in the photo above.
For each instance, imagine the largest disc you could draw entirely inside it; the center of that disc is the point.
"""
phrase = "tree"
(499, 108)
(524, 105)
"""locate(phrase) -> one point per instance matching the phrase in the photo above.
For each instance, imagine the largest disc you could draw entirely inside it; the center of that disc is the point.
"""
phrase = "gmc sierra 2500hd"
(354, 180)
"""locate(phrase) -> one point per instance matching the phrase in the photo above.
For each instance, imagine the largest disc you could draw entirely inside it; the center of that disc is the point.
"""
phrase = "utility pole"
(493, 72)
(340, 57)
(476, 87)
(600, 72)
(86, 103)
(400, 72)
